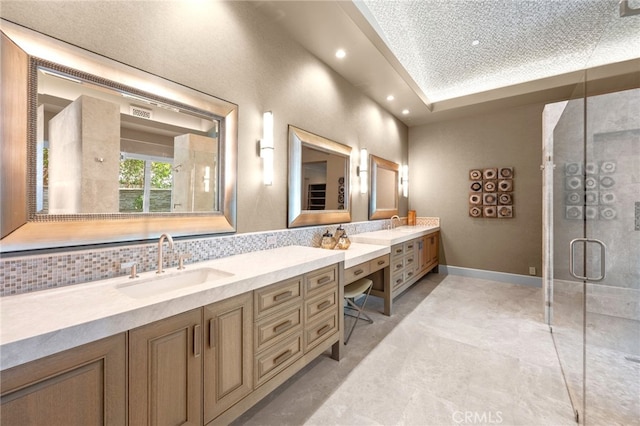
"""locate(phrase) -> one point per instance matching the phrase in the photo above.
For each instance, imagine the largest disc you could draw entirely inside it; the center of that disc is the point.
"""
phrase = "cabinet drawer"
(409, 274)
(321, 279)
(317, 332)
(272, 330)
(397, 250)
(410, 262)
(378, 263)
(273, 360)
(397, 264)
(409, 246)
(356, 272)
(319, 305)
(271, 298)
(397, 280)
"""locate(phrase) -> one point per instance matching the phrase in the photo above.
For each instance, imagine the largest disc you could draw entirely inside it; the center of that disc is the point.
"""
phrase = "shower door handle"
(603, 251)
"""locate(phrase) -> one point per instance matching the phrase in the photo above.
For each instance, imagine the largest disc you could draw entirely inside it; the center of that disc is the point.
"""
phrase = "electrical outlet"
(532, 270)
(271, 240)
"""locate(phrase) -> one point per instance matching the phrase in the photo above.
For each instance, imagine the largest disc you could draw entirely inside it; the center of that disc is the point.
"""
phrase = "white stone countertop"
(390, 237)
(358, 253)
(34, 325)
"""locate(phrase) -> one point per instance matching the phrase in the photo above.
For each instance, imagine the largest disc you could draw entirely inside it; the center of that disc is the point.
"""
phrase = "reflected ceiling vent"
(137, 111)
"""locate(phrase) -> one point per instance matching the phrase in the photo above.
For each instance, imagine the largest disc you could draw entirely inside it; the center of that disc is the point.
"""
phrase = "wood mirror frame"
(384, 193)
(21, 228)
(297, 216)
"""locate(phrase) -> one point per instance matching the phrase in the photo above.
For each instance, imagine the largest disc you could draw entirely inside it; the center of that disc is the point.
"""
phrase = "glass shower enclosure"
(591, 169)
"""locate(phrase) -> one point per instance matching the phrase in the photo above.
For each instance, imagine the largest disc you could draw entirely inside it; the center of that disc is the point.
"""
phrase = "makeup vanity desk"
(411, 253)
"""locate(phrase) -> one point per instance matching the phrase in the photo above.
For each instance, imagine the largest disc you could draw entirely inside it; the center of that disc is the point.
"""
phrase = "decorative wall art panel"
(590, 190)
(491, 192)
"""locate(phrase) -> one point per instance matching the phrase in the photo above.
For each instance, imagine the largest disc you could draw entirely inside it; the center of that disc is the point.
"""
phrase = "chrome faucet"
(395, 216)
(160, 241)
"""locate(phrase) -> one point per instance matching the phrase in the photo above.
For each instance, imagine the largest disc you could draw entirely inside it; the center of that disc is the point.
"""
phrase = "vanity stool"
(351, 291)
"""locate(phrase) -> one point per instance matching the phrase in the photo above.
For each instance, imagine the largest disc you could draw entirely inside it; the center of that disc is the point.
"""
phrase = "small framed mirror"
(384, 195)
(319, 179)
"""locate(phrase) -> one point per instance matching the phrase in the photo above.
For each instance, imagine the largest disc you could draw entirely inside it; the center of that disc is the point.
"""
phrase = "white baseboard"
(491, 275)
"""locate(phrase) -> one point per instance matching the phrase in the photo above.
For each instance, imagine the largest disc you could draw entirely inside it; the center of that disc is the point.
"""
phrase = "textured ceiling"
(517, 41)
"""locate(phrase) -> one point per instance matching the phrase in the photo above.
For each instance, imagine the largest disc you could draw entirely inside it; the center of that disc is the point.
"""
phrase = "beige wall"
(230, 50)
(440, 156)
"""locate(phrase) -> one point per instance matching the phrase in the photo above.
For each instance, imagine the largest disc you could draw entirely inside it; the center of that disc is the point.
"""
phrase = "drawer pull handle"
(380, 262)
(324, 329)
(399, 280)
(324, 280)
(283, 296)
(409, 260)
(358, 272)
(399, 266)
(410, 247)
(196, 340)
(283, 357)
(324, 305)
(282, 327)
(399, 250)
(212, 335)
(410, 274)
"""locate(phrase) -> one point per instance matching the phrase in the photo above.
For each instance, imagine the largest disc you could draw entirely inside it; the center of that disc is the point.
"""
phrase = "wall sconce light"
(266, 148)
(404, 181)
(363, 171)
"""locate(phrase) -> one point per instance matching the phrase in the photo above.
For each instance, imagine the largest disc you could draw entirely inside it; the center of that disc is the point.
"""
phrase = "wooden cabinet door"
(431, 243)
(165, 371)
(228, 354)
(433, 248)
(81, 386)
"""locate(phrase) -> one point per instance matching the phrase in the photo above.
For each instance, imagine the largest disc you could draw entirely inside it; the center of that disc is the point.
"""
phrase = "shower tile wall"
(38, 272)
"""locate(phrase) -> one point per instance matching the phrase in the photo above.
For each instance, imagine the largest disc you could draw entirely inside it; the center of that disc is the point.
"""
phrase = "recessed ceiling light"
(390, 98)
(340, 53)
(405, 111)
(475, 42)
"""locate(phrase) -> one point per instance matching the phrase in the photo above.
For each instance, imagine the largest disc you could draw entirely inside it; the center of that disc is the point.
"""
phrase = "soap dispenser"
(343, 242)
(339, 232)
(327, 241)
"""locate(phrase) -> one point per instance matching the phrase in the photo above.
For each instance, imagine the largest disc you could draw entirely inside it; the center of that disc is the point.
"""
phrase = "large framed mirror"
(319, 178)
(108, 153)
(384, 194)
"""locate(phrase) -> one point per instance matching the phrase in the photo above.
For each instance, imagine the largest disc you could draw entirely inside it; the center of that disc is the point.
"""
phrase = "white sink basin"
(169, 282)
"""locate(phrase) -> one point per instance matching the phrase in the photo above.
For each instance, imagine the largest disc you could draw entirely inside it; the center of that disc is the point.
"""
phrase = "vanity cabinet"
(404, 265)
(321, 307)
(429, 251)
(278, 328)
(86, 385)
(204, 366)
(228, 353)
(411, 260)
(165, 371)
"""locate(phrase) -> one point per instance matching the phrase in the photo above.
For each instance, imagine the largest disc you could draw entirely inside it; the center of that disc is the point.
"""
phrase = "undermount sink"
(170, 282)
(405, 229)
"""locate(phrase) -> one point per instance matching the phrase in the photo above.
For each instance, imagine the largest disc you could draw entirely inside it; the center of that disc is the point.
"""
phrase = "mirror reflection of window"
(145, 184)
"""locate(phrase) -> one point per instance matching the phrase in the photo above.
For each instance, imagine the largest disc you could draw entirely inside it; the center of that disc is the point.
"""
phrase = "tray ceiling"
(445, 57)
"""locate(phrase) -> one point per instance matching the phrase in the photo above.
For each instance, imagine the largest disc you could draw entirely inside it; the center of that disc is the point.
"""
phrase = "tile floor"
(456, 351)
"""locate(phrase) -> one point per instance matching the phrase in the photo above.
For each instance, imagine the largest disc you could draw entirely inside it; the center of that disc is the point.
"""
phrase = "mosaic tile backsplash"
(23, 274)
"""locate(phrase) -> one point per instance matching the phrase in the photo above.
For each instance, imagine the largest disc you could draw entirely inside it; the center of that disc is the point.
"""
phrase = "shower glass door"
(593, 229)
